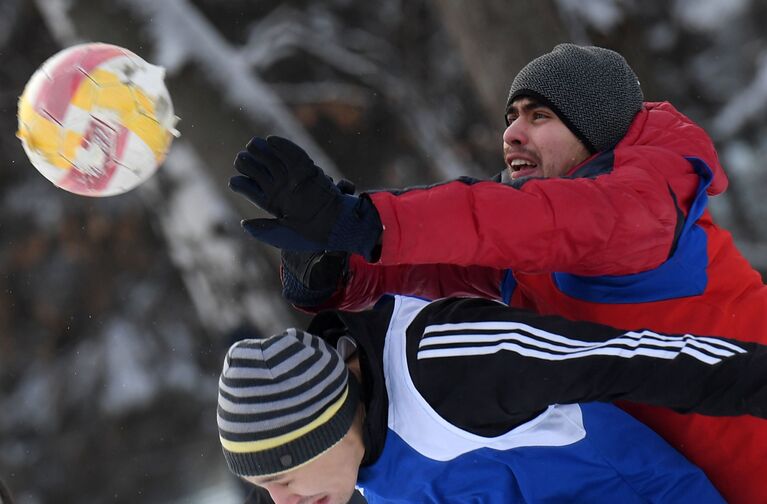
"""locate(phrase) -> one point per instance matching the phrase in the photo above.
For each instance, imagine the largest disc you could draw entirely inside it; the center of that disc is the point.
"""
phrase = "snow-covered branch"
(293, 31)
(182, 34)
(745, 106)
(222, 268)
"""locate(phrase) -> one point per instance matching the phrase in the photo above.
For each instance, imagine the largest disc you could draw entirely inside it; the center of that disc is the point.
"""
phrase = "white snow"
(179, 22)
(32, 403)
(603, 15)
(128, 379)
(745, 105)
(223, 278)
(708, 15)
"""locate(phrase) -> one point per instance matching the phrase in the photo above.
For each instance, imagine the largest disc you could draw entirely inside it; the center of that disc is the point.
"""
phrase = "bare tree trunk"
(496, 38)
(5, 494)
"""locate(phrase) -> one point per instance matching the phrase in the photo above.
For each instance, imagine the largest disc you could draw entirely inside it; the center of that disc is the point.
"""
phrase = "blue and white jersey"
(436, 451)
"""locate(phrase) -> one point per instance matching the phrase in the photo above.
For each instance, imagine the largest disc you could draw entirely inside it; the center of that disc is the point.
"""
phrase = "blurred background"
(115, 313)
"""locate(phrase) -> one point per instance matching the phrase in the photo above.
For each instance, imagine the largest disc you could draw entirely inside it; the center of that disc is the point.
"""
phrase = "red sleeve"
(368, 282)
(619, 223)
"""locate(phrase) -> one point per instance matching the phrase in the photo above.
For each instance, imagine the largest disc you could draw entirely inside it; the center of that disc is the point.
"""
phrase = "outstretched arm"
(488, 367)
(316, 281)
(617, 223)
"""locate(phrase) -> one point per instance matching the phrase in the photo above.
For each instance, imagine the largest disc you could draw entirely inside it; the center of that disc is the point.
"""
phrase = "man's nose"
(515, 133)
(281, 494)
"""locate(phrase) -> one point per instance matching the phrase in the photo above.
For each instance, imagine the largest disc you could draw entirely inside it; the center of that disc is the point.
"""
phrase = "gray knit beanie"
(282, 402)
(592, 90)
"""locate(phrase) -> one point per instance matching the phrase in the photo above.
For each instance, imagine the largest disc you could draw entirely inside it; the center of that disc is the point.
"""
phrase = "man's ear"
(355, 372)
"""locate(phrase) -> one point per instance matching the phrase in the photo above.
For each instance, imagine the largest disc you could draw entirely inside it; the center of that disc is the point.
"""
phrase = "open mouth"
(522, 168)
(521, 164)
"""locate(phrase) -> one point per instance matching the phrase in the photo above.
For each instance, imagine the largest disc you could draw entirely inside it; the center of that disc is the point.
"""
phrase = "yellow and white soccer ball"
(96, 119)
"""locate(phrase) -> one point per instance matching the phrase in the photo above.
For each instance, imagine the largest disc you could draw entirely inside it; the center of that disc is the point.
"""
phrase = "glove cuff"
(358, 228)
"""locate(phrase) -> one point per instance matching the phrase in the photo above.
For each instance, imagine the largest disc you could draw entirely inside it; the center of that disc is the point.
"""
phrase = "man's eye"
(539, 115)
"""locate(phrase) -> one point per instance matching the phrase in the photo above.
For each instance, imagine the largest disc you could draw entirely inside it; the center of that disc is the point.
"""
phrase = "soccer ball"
(97, 120)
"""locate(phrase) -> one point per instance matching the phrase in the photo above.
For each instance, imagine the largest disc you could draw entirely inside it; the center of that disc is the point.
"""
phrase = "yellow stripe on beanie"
(266, 444)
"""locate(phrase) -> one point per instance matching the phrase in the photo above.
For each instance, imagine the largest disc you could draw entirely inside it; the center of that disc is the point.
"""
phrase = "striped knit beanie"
(282, 402)
(591, 89)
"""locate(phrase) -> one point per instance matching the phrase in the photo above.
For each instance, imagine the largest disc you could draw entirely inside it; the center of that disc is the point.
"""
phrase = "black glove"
(310, 279)
(312, 214)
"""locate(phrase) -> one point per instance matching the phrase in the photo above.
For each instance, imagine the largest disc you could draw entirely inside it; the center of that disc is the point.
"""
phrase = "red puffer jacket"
(625, 239)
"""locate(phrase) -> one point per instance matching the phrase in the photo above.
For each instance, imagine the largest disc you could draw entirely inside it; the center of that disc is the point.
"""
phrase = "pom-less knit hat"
(282, 402)
(591, 89)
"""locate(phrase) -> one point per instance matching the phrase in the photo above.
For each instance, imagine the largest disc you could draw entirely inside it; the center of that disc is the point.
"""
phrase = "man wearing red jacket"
(602, 217)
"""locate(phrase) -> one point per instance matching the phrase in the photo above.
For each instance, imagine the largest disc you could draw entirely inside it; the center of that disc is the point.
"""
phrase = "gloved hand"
(310, 279)
(312, 214)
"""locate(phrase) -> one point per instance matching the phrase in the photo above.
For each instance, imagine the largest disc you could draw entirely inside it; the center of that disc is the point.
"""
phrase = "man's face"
(328, 479)
(537, 143)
